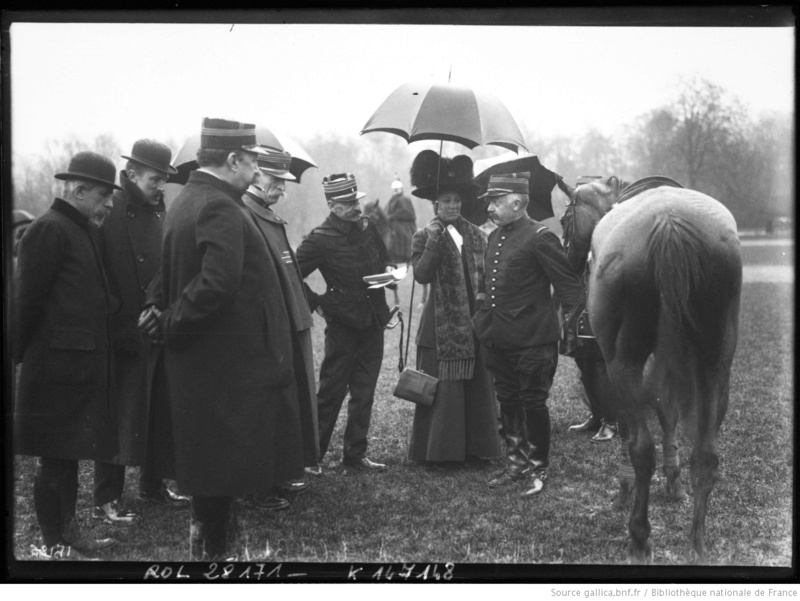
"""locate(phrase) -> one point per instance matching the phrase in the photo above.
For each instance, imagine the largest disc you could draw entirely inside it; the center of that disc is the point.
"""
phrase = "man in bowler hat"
(260, 199)
(64, 410)
(345, 248)
(518, 326)
(131, 249)
(228, 349)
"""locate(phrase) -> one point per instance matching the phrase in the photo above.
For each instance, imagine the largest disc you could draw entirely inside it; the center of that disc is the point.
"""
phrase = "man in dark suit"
(518, 325)
(130, 245)
(345, 248)
(64, 411)
(228, 349)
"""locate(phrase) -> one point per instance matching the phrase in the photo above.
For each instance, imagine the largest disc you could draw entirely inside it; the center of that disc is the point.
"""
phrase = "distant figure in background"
(402, 225)
(20, 222)
(62, 309)
(448, 254)
(130, 246)
(259, 199)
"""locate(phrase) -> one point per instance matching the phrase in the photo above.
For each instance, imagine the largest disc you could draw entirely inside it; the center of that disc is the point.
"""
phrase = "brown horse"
(377, 215)
(664, 285)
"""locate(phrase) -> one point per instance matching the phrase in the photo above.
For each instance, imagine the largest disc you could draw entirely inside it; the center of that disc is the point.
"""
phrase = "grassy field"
(420, 513)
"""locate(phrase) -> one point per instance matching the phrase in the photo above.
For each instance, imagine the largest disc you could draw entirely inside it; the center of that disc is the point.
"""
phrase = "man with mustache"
(63, 409)
(345, 248)
(131, 249)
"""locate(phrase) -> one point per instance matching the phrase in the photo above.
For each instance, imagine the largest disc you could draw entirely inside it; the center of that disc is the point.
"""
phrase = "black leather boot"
(538, 426)
(517, 447)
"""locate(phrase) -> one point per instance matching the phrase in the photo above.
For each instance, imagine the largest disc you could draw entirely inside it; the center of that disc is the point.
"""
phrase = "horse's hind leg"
(642, 454)
(668, 414)
(713, 400)
(626, 475)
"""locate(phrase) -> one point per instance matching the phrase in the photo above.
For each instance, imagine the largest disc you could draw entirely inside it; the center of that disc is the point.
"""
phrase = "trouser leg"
(536, 369)
(209, 527)
(53, 484)
(334, 377)
(363, 379)
(109, 480)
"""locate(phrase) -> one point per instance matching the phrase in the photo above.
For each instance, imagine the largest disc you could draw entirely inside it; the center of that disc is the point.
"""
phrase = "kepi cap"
(507, 183)
(341, 187)
(228, 135)
(275, 163)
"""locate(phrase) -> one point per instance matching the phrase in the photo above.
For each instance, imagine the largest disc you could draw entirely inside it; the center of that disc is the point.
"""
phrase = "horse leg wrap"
(669, 445)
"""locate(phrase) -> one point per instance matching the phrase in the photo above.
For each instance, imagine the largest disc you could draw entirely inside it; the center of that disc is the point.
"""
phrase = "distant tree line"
(705, 139)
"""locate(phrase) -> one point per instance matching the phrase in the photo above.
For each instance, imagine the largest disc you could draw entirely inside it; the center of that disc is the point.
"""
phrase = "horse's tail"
(691, 306)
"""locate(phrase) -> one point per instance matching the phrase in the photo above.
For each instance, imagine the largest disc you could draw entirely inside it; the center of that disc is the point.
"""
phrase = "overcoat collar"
(201, 177)
(262, 211)
(135, 195)
(66, 209)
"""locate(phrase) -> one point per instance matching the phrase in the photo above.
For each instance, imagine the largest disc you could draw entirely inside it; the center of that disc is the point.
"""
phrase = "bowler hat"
(92, 167)
(501, 184)
(275, 162)
(228, 135)
(341, 187)
(153, 154)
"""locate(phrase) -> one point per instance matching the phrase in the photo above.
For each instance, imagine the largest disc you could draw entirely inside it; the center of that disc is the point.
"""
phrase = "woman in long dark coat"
(448, 254)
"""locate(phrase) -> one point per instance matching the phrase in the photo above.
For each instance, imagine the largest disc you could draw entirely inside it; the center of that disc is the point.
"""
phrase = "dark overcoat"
(523, 260)
(228, 346)
(130, 243)
(303, 391)
(344, 252)
(61, 314)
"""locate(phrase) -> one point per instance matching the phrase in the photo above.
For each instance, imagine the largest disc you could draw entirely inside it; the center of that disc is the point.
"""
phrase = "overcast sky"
(160, 80)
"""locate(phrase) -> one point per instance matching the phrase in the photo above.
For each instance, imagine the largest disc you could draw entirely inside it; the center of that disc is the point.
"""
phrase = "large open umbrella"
(443, 111)
(186, 159)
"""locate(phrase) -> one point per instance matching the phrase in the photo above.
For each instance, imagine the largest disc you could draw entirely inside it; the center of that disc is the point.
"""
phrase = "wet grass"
(418, 513)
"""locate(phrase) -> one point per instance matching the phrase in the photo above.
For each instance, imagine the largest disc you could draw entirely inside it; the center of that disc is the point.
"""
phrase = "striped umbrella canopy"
(447, 112)
(186, 159)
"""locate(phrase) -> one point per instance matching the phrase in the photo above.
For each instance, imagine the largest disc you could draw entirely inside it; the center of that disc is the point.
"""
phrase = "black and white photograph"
(398, 295)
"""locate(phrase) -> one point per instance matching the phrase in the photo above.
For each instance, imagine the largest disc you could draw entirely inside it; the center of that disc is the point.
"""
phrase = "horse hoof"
(694, 557)
(640, 556)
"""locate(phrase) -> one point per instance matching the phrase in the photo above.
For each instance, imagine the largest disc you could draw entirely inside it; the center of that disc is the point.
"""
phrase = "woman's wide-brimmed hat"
(153, 154)
(341, 187)
(91, 167)
(432, 175)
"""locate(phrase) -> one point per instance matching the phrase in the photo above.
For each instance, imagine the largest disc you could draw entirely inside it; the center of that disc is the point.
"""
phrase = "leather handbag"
(413, 385)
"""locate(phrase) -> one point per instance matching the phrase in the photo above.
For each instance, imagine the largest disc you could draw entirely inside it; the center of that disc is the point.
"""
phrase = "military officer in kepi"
(518, 326)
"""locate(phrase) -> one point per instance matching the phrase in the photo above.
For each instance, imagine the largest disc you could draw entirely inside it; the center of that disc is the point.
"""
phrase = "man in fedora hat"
(228, 345)
(131, 251)
(260, 199)
(518, 326)
(345, 248)
(64, 410)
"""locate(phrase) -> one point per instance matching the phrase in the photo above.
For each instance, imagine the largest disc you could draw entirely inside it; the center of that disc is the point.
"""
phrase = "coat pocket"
(71, 357)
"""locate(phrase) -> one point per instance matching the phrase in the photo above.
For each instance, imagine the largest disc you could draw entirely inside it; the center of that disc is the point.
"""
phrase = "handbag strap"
(404, 359)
